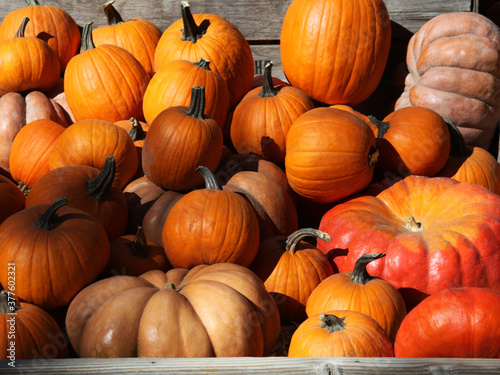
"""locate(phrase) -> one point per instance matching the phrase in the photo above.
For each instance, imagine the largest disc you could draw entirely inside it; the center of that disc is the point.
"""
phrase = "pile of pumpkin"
(172, 205)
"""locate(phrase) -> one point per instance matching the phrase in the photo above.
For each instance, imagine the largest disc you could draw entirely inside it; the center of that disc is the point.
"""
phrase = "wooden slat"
(256, 19)
(260, 366)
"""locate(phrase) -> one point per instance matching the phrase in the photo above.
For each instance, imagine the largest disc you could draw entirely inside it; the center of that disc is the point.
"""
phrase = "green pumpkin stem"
(191, 30)
(139, 246)
(197, 107)
(360, 275)
(136, 132)
(332, 323)
(203, 63)
(209, 177)
(32, 2)
(49, 219)
(294, 239)
(22, 28)
(25, 189)
(458, 147)
(382, 126)
(5, 306)
(112, 14)
(87, 41)
(100, 187)
(268, 89)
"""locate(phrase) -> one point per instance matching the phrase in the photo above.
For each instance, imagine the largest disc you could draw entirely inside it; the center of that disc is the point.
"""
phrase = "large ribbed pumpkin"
(330, 154)
(219, 310)
(436, 232)
(335, 50)
(453, 69)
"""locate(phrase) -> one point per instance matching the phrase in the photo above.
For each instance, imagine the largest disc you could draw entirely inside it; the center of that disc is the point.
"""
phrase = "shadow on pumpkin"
(290, 309)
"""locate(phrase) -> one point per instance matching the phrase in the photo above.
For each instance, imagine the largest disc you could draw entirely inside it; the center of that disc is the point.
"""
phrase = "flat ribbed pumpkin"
(335, 50)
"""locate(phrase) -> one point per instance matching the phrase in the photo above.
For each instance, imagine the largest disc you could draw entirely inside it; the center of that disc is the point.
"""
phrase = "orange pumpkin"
(27, 331)
(330, 154)
(214, 38)
(28, 63)
(179, 140)
(12, 199)
(335, 50)
(209, 226)
(171, 86)
(30, 152)
(262, 119)
(50, 20)
(89, 142)
(340, 333)
(57, 250)
(291, 270)
(359, 291)
(105, 82)
(136, 35)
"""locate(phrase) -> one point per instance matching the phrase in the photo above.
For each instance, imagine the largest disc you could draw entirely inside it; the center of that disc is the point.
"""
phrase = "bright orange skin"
(330, 154)
(456, 245)
(52, 266)
(362, 337)
(54, 21)
(453, 323)
(35, 333)
(31, 149)
(335, 50)
(88, 142)
(106, 83)
(223, 45)
(191, 318)
(209, 226)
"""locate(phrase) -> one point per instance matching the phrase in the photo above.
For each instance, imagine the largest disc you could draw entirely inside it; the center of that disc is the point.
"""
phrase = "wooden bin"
(260, 22)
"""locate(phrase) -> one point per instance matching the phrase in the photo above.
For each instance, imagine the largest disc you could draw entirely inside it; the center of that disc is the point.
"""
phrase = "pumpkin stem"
(87, 42)
(360, 275)
(112, 14)
(48, 220)
(139, 246)
(372, 156)
(100, 187)
(137, 132)
(332, 323)
(32, 2)
(5, 306)
(458, 147)
(24, 189)
(172, 286)
(381, 125)
(209, 177)
(293, 239)
(412, 225)
(22, 28)
(191, 31)
(268, 89)
(197, 107)
(203, 63)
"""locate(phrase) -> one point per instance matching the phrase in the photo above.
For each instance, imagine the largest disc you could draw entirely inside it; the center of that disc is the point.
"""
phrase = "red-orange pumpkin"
(335, 50)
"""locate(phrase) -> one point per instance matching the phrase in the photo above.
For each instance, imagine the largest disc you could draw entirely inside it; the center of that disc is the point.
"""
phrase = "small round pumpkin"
(27, 331)
(219, 310)
(340, 333)
(209, 226)
(330, 154)
(453, 323)
(291, 269)
(359, 291)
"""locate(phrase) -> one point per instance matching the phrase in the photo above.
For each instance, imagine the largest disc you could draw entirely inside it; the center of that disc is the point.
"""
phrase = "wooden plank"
(258, 366)
(257, 19)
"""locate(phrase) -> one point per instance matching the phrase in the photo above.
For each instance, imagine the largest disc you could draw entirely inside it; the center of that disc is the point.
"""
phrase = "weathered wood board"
(260, 366)
(259, 20)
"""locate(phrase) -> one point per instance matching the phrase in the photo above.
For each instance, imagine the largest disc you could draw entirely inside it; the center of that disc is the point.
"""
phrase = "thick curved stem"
(191, 30)
(360, 275)
(268, 89)
(458, 147)
(136, 132)
(32, 2)
(87, 42)
(49, 219)
(100, 187)
(203, 63)
(209, 177)
(112, 14)
(22, 28)
(197, 107)
(294, 239)
(139, 246)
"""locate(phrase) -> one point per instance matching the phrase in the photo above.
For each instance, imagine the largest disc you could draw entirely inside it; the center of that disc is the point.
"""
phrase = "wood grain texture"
(260, 366)
(258, 20)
